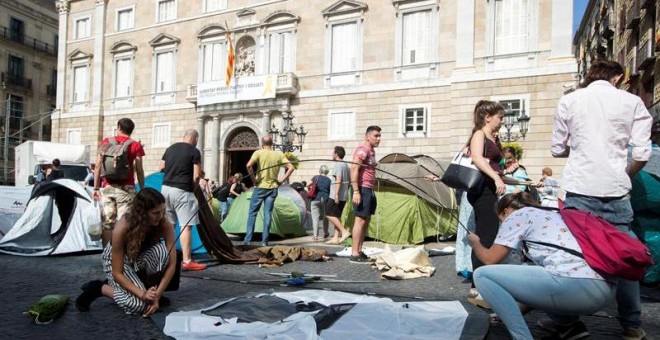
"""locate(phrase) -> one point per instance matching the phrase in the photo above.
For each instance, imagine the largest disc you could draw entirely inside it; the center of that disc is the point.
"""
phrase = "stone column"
(200, 131)
(99, 54)
(562, 30)
(63, 8)
(265, 122)
(215, 144)
(465, 36)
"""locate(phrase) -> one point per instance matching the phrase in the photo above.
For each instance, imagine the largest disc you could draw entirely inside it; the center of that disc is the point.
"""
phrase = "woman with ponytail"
(560, 284)
(136, 253)
(486, 154)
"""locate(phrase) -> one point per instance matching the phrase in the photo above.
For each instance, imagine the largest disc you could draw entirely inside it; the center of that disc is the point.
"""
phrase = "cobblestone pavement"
(24, 280)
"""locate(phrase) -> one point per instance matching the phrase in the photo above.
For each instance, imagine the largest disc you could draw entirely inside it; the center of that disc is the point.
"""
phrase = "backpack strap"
(124, 146)
(570, 251)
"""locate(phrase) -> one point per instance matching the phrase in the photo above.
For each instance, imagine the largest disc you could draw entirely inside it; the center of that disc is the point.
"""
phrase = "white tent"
(55, 221)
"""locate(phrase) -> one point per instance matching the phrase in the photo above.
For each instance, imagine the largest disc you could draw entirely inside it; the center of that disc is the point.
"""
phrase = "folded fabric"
(404, 264)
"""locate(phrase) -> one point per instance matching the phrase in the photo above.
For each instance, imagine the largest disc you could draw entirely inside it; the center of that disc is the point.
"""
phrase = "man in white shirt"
(601, 122)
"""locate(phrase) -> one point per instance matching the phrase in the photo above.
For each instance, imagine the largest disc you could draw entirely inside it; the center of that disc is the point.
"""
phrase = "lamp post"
(284, 139)
(510, 118)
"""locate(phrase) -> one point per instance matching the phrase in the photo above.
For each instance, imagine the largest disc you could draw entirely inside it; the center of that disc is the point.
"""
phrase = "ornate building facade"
(416, 68)
(28, 73)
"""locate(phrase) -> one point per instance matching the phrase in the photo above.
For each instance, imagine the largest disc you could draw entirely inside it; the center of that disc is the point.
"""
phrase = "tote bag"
(462, 174)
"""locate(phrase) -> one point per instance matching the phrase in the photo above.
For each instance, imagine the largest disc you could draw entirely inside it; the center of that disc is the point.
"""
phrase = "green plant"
(517, 147)
(293, 159)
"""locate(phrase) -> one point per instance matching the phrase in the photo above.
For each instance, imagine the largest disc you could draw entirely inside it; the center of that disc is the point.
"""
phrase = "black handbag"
(462, 174)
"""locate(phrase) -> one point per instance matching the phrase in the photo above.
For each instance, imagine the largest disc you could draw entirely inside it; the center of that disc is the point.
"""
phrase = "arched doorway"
(241, 144)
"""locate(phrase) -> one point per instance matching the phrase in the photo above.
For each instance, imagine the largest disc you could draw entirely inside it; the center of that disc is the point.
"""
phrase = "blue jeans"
(224, 208)
(267, 197)
(563, 298)
(617, 211)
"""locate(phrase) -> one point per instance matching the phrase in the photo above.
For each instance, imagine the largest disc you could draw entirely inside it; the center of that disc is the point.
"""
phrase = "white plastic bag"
(94, 223)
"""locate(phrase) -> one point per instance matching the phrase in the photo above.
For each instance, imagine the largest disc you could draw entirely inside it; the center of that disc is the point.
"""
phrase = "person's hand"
(432, 178)
(152, 308)
(336, 199)
(150, 294)
(356, 198)
(500, 187)
(96, 195)
(473, 239)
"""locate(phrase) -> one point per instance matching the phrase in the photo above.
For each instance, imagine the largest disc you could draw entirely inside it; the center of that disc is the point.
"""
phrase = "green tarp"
(286, 218)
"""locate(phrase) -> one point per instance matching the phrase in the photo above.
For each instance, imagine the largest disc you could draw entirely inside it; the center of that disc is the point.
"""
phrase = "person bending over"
(136, 254)
(561, 284)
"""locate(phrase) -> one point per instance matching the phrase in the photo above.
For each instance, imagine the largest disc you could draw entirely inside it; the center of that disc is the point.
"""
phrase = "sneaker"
(479, 301)
(634, 334)
(361, 258)
(192, 265)
(91, 291)
(575, 331)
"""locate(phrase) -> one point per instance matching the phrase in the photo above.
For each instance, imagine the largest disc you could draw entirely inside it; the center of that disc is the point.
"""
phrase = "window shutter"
(344, 47)
(287, 52)
(123, 78)
(80, 84)
(274, 53)
(165, 71)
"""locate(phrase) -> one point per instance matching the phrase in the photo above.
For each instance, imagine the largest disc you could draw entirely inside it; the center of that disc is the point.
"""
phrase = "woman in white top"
(561, 284)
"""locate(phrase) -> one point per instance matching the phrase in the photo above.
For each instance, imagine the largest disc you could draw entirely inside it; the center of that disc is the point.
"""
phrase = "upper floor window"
(416, 36)
(80, 66)
(16, 30)
(214, 5)
(15, 104)
(125, 18)
(123, 58)
(164, 68)
(83, 28)
(511, 26)
(414, 120)
(344, 47)
(280, 52)
(344, 20)
(166, 10)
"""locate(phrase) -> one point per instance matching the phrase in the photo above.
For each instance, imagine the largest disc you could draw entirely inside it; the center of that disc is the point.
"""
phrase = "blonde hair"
(546, 171)
(238, 177)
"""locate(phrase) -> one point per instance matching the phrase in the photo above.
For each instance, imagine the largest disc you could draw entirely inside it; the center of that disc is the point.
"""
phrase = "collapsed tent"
(645, 201)
(410, 208)
(287, 219)
(55, 221)
(319, 314)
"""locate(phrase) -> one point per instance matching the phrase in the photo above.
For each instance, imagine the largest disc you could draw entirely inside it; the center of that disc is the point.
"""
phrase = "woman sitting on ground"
(135, 255)
(561, 284)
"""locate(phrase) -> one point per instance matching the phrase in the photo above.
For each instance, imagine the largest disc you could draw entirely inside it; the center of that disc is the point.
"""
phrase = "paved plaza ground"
(24, 280)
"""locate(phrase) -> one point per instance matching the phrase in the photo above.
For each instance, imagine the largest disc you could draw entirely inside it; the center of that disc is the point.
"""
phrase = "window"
(343, 43)
(82, 28)
(15, 70)
(123, 77)
(73, 136)
(214, 61)
(511, 26)
(414, 120)
(280, 52)
(344, 48)
(16, 30)
(15, 112)
(125, 19)
(161, 135)
(214, 5)
(341, 125)
(80, 83)
(519, 105)
(166, 10)
(164, 72)
(416, 33)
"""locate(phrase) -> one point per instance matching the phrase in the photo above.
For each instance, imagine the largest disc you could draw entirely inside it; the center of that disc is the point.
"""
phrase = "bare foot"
(333, 241)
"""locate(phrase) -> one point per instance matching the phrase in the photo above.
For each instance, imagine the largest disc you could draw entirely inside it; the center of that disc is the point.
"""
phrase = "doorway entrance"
(241, 144)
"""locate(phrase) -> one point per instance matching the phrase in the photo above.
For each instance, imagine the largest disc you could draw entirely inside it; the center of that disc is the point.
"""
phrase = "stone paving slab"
(25, 279)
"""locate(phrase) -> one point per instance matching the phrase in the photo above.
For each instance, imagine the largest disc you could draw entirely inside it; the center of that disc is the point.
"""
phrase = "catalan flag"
(230, 60)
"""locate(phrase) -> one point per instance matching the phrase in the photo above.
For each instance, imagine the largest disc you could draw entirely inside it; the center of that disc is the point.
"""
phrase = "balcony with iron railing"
(287, 85)
(645, 56)
(16, 80)
(633, 15)
(30, 42)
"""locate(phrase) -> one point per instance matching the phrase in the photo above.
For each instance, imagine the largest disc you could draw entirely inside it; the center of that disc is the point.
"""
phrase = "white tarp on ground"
(13, 201)
(371, 318)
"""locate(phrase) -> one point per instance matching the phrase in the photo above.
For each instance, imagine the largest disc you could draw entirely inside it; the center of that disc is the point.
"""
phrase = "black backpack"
(115, 165)
(222, 192)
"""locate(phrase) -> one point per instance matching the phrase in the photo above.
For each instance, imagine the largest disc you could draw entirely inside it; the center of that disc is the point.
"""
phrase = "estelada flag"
(230, 60)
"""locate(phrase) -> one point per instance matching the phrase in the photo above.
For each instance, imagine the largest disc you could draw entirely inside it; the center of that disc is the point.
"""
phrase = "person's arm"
(640, 139)
(96, 194)
(118, 253)
(477, 143)
(289, 170)
(560, 135)
(197, 173)
(232, 189)
(250, 170)
(338, 180)
(139, 171)
(355, 173)
(493, 255)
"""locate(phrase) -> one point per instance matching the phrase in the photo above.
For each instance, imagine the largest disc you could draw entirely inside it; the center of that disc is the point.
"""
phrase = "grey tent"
(55, 221)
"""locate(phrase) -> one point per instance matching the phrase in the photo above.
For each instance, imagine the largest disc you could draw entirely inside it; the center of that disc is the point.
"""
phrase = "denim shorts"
(367, 206)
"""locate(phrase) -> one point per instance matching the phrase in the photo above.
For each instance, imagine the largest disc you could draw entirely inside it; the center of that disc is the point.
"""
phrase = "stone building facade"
(626, 31)
(28, 74)
(416, 68)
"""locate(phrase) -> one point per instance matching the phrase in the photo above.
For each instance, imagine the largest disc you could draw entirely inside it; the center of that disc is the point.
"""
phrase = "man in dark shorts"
(338, 194)
(363, 177)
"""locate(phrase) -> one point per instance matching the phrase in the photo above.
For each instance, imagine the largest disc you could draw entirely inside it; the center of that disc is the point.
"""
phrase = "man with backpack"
(601, 122)
(118, 162)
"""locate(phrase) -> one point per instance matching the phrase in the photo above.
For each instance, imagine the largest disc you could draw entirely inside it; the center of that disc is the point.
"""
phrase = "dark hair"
(339, 150)
(56, 162)
(483, 109)
(602, 69)
(511, 150)
(515, 201)
(126, 125)
(373, 128)
(145, 200)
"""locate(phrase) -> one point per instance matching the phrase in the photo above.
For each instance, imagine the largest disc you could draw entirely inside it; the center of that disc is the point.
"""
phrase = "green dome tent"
(288, 214)
(410, 208)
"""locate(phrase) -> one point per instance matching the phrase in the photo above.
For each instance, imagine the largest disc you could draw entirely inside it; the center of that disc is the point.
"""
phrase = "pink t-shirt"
(367, 174)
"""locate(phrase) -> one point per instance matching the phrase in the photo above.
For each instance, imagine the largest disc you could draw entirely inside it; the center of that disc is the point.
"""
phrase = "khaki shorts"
(116, 201)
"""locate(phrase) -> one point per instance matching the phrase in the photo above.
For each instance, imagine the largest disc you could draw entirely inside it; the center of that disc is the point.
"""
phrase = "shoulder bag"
(462, 174)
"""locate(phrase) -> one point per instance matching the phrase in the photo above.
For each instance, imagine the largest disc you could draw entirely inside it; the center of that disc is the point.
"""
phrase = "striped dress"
(153, 260)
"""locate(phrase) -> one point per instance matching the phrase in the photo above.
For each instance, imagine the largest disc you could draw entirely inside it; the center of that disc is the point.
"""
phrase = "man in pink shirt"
(363, 176)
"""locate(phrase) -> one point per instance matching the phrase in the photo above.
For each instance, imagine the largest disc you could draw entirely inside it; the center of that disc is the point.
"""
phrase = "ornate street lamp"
(284, 139)
(510, 119)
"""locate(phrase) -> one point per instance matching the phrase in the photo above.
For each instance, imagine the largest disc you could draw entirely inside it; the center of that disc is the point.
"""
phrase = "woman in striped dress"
(135, 254)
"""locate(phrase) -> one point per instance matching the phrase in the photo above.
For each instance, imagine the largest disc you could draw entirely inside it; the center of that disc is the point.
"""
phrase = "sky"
(578, 10)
